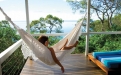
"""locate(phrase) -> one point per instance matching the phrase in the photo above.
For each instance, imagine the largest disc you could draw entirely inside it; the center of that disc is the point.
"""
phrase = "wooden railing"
(6, 53)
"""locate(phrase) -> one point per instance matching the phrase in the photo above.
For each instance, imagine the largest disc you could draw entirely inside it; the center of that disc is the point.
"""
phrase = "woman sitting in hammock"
(44, 40)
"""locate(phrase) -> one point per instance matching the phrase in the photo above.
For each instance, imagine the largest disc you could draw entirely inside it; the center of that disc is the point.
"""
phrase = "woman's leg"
(64, 44)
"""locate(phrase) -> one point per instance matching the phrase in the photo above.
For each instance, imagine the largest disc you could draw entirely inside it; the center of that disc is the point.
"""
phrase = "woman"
(44, 40)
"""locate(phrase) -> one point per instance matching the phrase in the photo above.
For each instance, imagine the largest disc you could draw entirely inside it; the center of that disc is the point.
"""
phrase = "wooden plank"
(98, 63)
(104, 68)
(76, 64)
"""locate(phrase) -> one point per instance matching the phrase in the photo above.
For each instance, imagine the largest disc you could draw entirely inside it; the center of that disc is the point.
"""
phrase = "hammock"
(35, 49)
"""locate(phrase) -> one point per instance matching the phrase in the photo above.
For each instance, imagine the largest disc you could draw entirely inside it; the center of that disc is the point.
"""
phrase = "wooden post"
(27, 19)
(27, 15)
(87, 28)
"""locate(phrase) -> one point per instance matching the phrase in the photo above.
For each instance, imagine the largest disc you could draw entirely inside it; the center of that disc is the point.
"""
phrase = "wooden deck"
(76, 64)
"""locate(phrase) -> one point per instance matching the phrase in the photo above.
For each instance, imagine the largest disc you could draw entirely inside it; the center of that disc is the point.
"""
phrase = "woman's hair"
(43, 39)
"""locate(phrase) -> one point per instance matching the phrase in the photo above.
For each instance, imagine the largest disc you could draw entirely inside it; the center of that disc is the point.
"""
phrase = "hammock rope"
(32, 47)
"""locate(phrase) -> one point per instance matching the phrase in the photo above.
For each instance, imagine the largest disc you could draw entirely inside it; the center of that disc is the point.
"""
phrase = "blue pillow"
(96, 54)
(107, 56)
(113, 62)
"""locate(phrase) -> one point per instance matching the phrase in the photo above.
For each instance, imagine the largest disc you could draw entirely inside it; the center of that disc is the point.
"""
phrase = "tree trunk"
(101, 19)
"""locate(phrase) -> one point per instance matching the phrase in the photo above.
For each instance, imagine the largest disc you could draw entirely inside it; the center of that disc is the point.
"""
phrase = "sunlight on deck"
(76, 64)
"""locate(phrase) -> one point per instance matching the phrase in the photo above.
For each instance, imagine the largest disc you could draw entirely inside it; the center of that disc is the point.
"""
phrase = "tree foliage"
(105, 9)
(7, 35)
(46, 25)
(102, 42)
(117, 22)
(53, 21)
(38, 26)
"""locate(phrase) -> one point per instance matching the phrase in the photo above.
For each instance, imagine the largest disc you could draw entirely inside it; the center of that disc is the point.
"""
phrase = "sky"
(38, 8)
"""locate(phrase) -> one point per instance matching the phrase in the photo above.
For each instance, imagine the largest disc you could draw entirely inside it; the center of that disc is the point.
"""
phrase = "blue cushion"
(107, 56)
(96, 54)
(113, 62)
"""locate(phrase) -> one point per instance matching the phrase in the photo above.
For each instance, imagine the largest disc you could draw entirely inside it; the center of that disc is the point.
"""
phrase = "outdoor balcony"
(76, 64)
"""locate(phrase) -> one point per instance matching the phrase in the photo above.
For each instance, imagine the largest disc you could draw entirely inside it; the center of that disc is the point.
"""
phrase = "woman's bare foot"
(66, 42)
(62, 69)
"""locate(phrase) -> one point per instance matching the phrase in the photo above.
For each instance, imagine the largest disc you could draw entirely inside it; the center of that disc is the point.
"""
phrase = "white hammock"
(32, 47)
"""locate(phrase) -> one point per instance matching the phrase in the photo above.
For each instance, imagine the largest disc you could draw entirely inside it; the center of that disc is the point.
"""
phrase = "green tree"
(38, 26)
(8, 35)
(106, 8)
(117, 22)
(47, 24)
(53, 21)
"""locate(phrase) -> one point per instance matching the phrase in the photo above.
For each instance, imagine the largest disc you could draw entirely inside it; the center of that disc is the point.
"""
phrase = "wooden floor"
(76, 64)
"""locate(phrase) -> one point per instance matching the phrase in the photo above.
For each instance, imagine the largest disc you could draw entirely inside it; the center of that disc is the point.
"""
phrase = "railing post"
(27, 15)
(0, 68)
(87, 28)
(27, 18)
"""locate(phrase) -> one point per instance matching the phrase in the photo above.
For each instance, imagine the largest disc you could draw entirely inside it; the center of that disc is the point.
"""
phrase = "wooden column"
(27, 15)
(87, 27)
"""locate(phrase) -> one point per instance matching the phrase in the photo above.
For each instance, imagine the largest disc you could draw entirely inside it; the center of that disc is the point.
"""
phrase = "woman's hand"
(62, 69)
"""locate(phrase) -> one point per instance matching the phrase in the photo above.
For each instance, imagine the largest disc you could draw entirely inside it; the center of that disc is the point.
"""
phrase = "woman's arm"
(55, 59)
